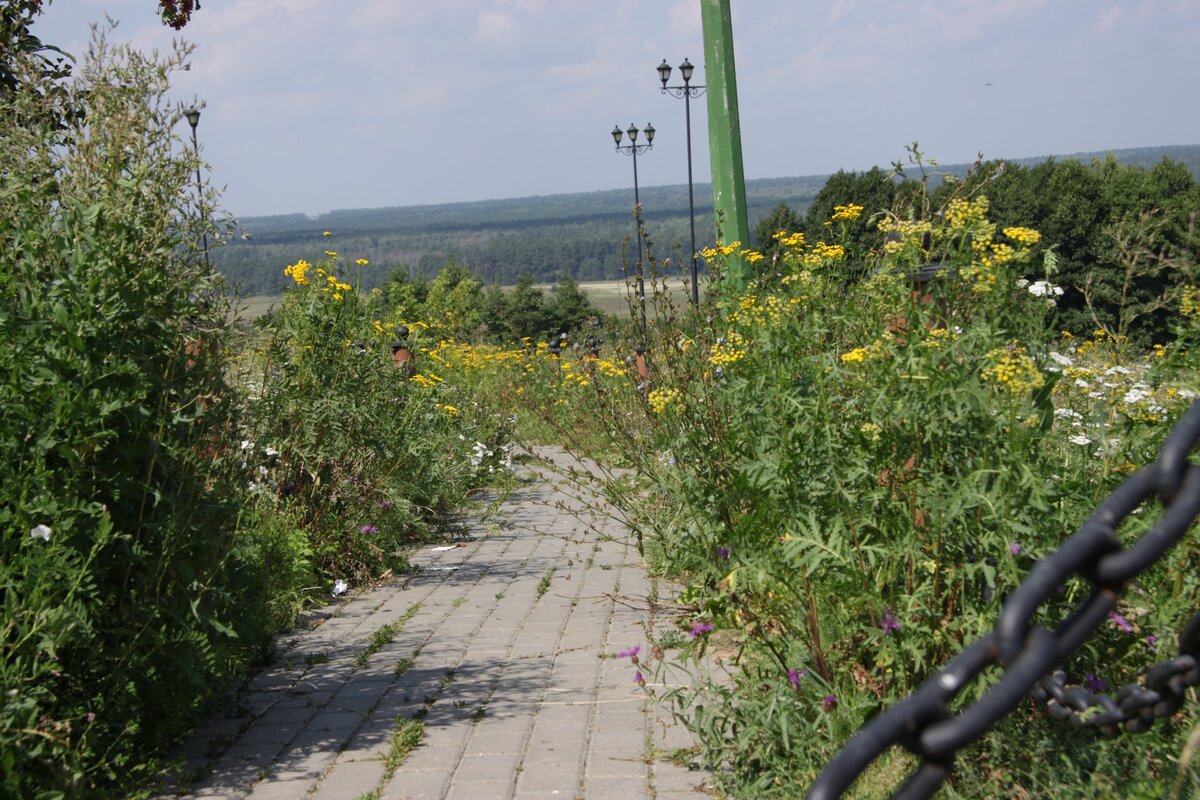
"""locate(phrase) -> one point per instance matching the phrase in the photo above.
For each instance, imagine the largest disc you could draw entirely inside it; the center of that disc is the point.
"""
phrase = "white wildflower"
(1080, 440)
(1045, 289)
(1067, 413)
(40, 532)
(1059, 358)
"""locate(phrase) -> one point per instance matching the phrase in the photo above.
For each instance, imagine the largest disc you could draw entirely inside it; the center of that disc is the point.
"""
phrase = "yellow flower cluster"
(855, 356)
(753, 256)
(828, 252)
(468, 357)
(907, 228)
(662, 399)
(846, 212)
(935, 337)
(871, 431)
(789, 239)
(611, 369)
(333, 286)
(331, 254)
(752, 312)
(572, 377)
(1025, 236)
(720, 250)
(904, 235)
(960, 213)
(1011, 368)
(877, 349)
(449, 411)
(362, 262)
(1189, 302)
(299, 272)
(426, 379)
(728, 351)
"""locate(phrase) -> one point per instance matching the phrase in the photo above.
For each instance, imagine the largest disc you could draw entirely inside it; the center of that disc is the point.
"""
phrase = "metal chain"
(923, 723)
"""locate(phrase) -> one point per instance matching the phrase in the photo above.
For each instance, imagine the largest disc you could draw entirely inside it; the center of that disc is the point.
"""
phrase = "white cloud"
(1107, 19)
(495, 26)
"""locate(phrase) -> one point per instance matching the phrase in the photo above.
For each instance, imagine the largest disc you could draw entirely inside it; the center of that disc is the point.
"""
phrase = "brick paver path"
(504, 646)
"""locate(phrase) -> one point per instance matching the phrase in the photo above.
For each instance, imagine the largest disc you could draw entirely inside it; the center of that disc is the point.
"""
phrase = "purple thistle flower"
(631, 652)
(368, 529)
(1120, 622)
(723, 552)
(890, 622)
(1093, 683)
(638, 679)
(1152, 640)
(829, 701)
(699, 628)
(386, 505)
(794, 677)
(1014, 548)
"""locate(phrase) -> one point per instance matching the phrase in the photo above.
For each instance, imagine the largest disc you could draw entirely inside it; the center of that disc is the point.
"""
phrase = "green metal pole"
(724, 133)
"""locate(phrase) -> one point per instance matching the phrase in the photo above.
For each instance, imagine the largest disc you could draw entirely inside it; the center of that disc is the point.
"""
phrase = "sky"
(314, 105)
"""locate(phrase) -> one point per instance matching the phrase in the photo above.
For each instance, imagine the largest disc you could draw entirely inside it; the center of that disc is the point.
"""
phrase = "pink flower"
(829, 702)
(700, 628)
(794, 677)
(1120, 622)
(631, 652)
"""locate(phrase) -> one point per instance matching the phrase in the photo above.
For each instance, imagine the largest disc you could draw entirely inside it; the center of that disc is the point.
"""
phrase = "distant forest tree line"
(1088, 209)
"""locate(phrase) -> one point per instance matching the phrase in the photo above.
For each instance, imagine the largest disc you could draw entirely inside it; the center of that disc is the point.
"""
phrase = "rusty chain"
(924, 724)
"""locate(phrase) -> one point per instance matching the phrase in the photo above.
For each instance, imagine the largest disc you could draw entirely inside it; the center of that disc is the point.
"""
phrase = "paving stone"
(280, 790)
(348, 780)
(559, 720)
(424, 785)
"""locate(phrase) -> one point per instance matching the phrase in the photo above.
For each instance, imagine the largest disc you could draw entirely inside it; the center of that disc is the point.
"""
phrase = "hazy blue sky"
(313, 105)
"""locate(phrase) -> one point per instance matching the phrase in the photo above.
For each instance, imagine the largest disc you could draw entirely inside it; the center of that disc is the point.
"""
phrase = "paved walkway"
(504, 647)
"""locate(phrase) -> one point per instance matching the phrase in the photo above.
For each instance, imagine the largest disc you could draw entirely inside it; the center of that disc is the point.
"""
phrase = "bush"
(341, 439)
(122, 603)
(851, 466)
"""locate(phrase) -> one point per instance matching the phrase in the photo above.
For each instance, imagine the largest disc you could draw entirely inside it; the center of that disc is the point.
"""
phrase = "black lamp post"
(633, 149)
(687, 91)
(193, 118)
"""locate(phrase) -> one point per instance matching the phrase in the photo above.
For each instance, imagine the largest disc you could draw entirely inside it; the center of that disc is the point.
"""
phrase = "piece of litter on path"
(443, 548)
(440, 569)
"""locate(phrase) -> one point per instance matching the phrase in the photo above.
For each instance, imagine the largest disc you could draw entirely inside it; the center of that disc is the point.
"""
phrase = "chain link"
(923, 723)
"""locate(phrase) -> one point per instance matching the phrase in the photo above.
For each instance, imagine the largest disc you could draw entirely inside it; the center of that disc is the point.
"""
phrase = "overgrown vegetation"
(851, 464)
(173, 491)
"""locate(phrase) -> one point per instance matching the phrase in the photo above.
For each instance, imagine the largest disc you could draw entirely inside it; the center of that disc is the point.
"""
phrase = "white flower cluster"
(1044, 289)
(503, 455)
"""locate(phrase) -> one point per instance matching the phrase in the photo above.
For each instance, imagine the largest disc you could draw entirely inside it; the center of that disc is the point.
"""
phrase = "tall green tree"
(782, 219)
(875, 190)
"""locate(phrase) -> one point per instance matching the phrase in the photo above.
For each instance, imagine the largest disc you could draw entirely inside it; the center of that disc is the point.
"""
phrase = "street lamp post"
(193, 118)
(633, 149)
(687, 91)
